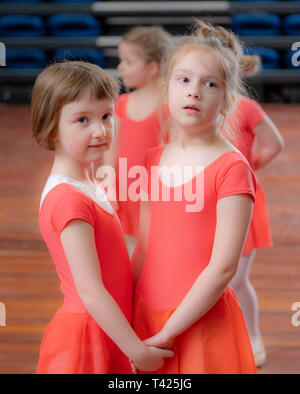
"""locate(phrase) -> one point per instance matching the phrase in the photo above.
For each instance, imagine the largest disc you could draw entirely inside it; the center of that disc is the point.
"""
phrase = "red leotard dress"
(136, 138)
(243, 121)
(179, 248)
(73, 342)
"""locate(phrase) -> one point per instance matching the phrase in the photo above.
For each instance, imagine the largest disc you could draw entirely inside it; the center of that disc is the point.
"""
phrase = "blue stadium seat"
(21, 26)
(89, 55)
(292, 59)
(73, 25)
(291, 25)
(256, 24)
(26, 58)
(270, 58)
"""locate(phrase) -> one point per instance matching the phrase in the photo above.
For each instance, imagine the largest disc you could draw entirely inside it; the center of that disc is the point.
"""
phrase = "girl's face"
(132, 67)
(85, 129)
(196, 92)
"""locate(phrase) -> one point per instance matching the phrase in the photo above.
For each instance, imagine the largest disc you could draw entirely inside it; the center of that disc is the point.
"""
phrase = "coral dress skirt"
(179, 248)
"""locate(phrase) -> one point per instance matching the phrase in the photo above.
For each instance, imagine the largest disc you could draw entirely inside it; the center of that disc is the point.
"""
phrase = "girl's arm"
(268, 142)
(233, 219)
(80, 250)
(139, 254)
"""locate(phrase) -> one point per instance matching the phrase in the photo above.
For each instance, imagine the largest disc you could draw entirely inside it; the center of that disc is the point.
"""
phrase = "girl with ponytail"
(190, 243)
(254, 134)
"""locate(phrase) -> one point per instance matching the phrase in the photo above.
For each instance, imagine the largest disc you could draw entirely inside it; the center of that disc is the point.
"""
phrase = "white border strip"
(146, 6)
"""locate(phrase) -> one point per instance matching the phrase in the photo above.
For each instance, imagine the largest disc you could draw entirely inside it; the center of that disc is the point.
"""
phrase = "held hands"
(151, 360)
(158, 347)
(160, 340)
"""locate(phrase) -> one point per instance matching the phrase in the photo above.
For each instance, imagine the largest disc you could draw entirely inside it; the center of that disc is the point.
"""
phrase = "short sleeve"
(237, 179)
(255, 113)
(70, 206)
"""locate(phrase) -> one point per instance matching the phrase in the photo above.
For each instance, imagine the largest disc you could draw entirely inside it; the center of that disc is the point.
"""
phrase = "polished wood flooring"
(29, 287)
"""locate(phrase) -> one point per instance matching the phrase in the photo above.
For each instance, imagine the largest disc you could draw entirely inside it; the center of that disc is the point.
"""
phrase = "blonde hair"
(228, 60)
(62, 83)
(249, 64)
(153, 41)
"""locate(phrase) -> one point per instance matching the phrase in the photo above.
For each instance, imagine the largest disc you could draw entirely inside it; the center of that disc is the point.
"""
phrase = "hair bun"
(204, 30)
(250, 64)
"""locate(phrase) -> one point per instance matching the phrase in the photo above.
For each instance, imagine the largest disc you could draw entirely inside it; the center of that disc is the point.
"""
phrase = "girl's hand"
(133, 367)
(160, 340)
(152, 359)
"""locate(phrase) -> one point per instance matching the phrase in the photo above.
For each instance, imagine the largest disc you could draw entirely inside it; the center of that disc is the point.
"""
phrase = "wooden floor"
(28, 284)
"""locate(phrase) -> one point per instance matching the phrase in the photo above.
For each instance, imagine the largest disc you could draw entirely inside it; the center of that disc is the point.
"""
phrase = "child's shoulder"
(121, 103)
(248, 105)
(233, 165)
(227, 155)
(62, 202)
(224, 150)
(58, 190)
(123, 97)
(251, 112)
(234, 176)
(232, 157)
(152, 155)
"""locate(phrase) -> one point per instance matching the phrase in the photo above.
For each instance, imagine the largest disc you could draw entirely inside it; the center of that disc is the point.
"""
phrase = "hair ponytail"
(227, 38)
(249, 64)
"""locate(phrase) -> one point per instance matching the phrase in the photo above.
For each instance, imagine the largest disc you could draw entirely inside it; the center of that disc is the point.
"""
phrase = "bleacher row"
(61, 25)
(36, 32)
(82, 25)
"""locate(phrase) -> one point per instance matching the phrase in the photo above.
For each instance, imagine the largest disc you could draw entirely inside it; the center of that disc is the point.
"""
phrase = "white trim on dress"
(98, 196)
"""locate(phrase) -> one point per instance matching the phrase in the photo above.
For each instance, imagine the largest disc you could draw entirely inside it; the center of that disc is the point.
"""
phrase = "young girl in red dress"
(254, 134)
(141, 52)
(72, 114)
(188, 249)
